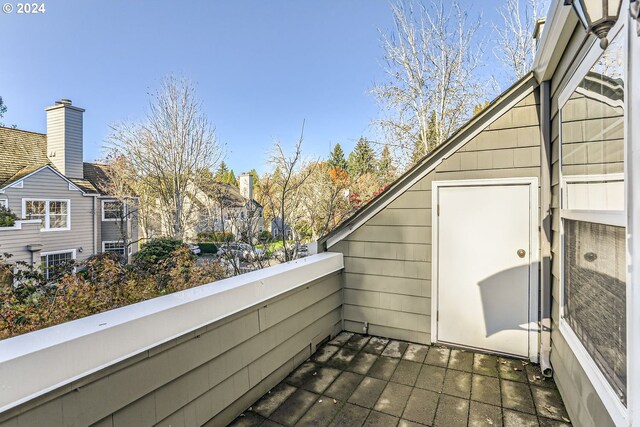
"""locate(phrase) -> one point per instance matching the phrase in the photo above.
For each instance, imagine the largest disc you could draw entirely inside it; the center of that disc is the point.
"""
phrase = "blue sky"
(261, 67)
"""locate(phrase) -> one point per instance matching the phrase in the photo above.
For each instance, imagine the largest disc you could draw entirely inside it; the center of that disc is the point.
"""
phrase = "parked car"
(195, 249)
(240, 250)
(303, 251)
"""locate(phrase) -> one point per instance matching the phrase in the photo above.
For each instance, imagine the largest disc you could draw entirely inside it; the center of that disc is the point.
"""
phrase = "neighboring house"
(511, 237)
(224, 207)
(278, 229)
(63, 204)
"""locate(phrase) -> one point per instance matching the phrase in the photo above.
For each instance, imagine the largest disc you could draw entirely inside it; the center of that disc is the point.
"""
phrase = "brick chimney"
(245, 182)
(64, 138)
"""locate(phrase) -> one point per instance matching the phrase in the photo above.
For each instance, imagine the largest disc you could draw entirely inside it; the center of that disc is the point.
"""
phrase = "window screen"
(595, 295)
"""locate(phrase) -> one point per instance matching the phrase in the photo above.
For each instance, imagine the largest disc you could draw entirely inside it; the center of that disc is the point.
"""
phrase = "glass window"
(592, 137)
(54, 264)
(112, 210)
(58, 215)
(54, 214)
(117, 247)
(592, 211)
(594, 296)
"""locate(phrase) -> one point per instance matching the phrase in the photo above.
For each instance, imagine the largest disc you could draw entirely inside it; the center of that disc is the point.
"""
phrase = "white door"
(483, 245)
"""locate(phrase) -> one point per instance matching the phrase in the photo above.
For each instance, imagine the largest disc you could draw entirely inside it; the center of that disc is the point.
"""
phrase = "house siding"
(580, 398)
(387, 279)
(46, 184)
(206, 377)
(14, 241)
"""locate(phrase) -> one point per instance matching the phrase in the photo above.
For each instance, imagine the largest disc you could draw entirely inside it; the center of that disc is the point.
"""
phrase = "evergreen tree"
(231, 178)
(226, 175)
(362, 159)
(256, 180)
(418, 151)
(222, 172)
(336, 159)
(386, 170)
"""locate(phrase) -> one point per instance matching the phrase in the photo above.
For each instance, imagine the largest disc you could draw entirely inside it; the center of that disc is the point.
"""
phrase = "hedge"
(208, 247)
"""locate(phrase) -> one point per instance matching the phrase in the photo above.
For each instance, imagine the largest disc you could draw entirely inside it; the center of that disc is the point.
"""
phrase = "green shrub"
(208, 247)
(216, 236)
(156, 250)
(7, 218)
(266, 236)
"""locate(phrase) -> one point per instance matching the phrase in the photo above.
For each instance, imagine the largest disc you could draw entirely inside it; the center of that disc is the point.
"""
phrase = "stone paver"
(437, 356)
(457, 383)
(452, 412)
(350, 416)
(395, 349)
(461, 360)
(406, 372)
(416, 353)
(431, 378)
(357, 380)
(368, 392)
(393, 399)
(383, 368)
(376, 345)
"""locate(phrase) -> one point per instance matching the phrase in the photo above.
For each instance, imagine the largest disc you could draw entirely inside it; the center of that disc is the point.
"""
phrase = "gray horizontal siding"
(388, 268)
(15, 241)
(207, 377)
(46, 184)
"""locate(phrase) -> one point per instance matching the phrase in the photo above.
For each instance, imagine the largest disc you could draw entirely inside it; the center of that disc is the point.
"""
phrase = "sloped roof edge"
(506, 100)
(37, 169)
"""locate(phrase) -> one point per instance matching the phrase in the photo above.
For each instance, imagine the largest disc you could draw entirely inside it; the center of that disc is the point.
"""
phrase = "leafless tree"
(169, 148)
(284, 188)
(431, 59)
(515, 46)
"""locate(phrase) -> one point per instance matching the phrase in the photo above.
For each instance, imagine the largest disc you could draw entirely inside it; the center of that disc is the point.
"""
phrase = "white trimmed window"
(51, 261)
(4, 203)
(112, 210)
(54, 214)
(593, 291)
(116, 246)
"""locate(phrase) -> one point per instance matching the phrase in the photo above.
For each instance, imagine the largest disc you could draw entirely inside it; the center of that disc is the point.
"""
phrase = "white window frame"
(124, 210)
(124, 246)
(609, 397)
(62, 251)
(46, 224)
(5, 203)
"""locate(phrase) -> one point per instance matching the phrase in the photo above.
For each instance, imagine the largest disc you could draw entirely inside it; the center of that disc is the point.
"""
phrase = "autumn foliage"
(101, 283)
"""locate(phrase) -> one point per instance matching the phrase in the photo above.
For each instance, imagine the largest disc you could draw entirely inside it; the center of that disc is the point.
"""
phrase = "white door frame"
(534, 239)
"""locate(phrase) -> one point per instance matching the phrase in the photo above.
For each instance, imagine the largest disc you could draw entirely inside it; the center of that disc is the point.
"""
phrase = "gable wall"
(387, 276)
(46, 184)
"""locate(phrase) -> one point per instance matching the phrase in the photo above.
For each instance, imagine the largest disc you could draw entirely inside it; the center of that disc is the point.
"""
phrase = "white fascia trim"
(408, 184)
(560, 19)
(81, 347)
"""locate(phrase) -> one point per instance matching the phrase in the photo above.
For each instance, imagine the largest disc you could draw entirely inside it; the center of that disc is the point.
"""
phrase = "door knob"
(521, 253)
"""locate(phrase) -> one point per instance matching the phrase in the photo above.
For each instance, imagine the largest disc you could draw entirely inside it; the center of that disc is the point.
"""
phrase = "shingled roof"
(23, 152)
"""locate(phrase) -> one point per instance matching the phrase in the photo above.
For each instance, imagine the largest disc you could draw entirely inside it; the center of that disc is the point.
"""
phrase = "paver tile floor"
(357, 380)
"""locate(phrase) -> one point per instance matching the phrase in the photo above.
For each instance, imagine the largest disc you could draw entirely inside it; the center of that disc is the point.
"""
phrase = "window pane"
(113, 210)
(592, 137)
(55, 263)
(117, 247)
(595, 295)
(35, 209)
(57, 214)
